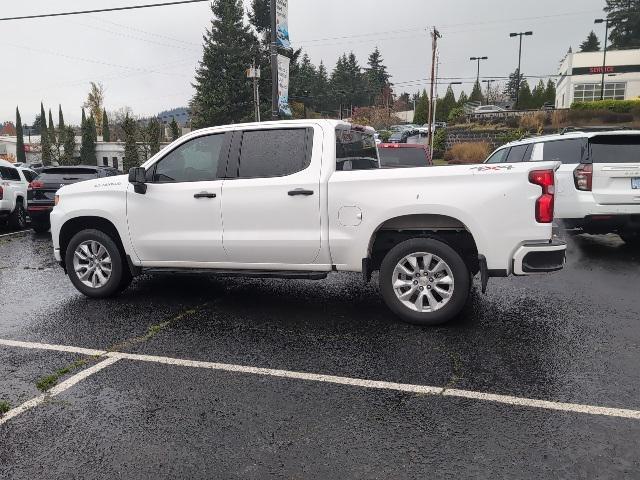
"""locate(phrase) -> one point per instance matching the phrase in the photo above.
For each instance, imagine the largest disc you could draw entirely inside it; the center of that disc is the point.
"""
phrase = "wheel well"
(20, 198)
(439, 227)
(75, 225)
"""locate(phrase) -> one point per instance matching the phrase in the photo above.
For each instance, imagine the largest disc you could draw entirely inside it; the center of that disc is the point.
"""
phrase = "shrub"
(617, 106)
(456, 114)
(384, 135)
(533, 122)
(512, 135)
(468, 153)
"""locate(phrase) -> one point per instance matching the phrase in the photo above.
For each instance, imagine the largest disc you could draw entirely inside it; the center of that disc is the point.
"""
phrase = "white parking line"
(58, 389)
(313, 377)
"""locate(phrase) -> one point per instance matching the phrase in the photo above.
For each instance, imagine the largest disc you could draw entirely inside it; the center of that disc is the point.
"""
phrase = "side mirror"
(138, 178)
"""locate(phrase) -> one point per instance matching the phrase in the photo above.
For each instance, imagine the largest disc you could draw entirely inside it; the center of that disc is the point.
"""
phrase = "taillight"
(583, 177)
(1, 193)
(544, 204)
(35, 185)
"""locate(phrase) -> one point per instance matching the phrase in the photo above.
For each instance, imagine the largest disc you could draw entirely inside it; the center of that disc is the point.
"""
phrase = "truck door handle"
(300, 191)
(205, 195)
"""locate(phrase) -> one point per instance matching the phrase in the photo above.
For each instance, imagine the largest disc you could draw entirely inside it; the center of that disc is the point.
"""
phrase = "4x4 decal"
(490, 168)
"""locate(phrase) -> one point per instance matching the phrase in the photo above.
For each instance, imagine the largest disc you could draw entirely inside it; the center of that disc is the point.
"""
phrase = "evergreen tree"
(88, 144)
(45, 144)
(60, 118)
(37, 124)
(624, 20)
(476, 93)
(348, 82)
(591, 44)
(106, 133)
(445, 105)
(175, 130)
(525, 100)
(538, 95)
(53, 141)
(302, 83)
(421, 115)
(21, 156)
(321, 88)
(512, 85)
(131, 157)
(94, 128)
(260, 18)
(154, 132)
(69, 145)
(223, 94)
(377, 76)
(550, 92)
(462, 99)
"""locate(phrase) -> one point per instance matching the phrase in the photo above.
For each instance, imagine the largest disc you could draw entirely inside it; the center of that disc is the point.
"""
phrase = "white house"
(581, 77)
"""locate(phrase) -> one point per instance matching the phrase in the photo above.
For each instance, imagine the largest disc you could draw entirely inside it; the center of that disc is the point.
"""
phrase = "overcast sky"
(146, 58)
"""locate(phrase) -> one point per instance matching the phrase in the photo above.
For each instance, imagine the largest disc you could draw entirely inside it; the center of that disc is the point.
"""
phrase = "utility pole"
(435, 35)
(435, 104)
(604, 57)
(520, 34)
(275, 110)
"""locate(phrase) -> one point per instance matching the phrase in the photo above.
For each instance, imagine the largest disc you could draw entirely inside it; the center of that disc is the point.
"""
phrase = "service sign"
(283, 85)
(282, 24)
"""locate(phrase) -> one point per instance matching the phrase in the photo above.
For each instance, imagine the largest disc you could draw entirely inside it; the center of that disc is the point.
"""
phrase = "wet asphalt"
(568, 337)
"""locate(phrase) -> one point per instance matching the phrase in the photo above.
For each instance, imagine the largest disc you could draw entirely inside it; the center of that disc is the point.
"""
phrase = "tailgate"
(616, 169)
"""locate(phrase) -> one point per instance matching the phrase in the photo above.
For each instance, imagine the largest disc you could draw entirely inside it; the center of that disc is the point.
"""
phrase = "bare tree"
(95, 104)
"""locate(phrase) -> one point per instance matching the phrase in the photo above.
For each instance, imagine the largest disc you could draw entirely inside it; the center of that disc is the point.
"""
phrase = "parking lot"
(198, 377)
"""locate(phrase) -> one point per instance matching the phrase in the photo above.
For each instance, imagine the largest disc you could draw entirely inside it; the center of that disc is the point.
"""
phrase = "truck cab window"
(275, 153)
(498, 157)
(194, 161)
(356, 150)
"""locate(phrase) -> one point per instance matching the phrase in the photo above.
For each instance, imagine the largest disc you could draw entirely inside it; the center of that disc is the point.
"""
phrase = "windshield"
(615, 149)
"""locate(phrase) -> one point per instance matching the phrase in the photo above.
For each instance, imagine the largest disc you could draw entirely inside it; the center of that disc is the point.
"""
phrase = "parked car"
(598, 186)
(42, 190)
(36, 167)
(404, 155)
(489, 109)
(29, 175)
(401, 136)
(13, 195)
(268, 200)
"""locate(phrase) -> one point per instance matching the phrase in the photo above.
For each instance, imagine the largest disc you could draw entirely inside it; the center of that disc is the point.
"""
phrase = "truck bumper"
(535, 258)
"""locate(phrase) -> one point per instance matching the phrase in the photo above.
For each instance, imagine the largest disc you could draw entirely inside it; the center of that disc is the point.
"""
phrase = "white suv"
(13, 195)
(598, 184)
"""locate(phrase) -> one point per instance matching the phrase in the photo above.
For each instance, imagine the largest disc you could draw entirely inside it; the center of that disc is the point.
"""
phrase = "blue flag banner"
(282, 24)
(283, 85)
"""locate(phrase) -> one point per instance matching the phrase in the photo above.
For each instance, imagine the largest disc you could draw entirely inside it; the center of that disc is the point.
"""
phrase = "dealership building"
(580, 77)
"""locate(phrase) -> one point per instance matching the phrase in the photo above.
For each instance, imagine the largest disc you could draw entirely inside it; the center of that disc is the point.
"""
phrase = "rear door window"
(519, 153)
(566, 151)
(9, 173)
(275, 153)
(615, 149)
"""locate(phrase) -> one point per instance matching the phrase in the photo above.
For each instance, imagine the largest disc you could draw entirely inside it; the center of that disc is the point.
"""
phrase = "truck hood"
(113, 184)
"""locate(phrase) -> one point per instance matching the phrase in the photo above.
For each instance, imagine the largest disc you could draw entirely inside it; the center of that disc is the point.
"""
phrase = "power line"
(101, 10)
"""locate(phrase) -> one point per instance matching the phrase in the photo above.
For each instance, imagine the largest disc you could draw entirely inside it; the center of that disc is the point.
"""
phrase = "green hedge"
(617, 106)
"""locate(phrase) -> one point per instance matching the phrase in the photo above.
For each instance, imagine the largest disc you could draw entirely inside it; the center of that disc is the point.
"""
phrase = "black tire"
(114, 282)
(18, 218)
(40, 227)
(631, 238)
(459, 271)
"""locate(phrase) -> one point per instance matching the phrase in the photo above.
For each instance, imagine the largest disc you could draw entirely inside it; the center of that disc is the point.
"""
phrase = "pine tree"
(512, 85)
(223, 94)
(525, 100)
(462, 99)
(421, 115)
(45, 144)
(550, 92)
(302, 82)
(175, 130)
(377, 76)
(154, 132)
(476, 93)
(538, 95)
(445, 105)
(53, 140)
(106, 133)
(131, 157)
(88, 144)
(321, 88)
(21, 156)
(624, 20)
(591, 44)
(94, 128)
(69, 145)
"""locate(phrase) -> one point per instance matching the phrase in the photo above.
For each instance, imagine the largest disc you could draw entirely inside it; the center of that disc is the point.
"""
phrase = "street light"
(604, 56)
(489, 82)
(478, 59)
(519, 34)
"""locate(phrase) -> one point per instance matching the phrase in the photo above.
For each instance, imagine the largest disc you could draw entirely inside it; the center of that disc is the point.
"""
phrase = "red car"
(404, 155)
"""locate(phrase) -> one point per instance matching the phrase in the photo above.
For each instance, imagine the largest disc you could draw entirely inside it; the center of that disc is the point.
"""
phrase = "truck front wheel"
(424, 281)
(94, 264)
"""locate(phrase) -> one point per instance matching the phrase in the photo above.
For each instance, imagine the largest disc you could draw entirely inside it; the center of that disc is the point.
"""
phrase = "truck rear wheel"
(18, 218)
(424, 281)
(94, 264)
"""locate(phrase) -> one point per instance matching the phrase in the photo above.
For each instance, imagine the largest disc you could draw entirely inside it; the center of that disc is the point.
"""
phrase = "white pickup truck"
(302, 199)
(13, 195)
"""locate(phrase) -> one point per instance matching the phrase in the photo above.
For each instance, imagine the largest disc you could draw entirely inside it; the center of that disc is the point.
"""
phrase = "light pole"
(275, 109)
(489, 82)
(478, 59)
(519, 34)
(604, 56)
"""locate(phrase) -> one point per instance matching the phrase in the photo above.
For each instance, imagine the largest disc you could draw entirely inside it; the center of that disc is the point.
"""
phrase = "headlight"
(56, 200)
